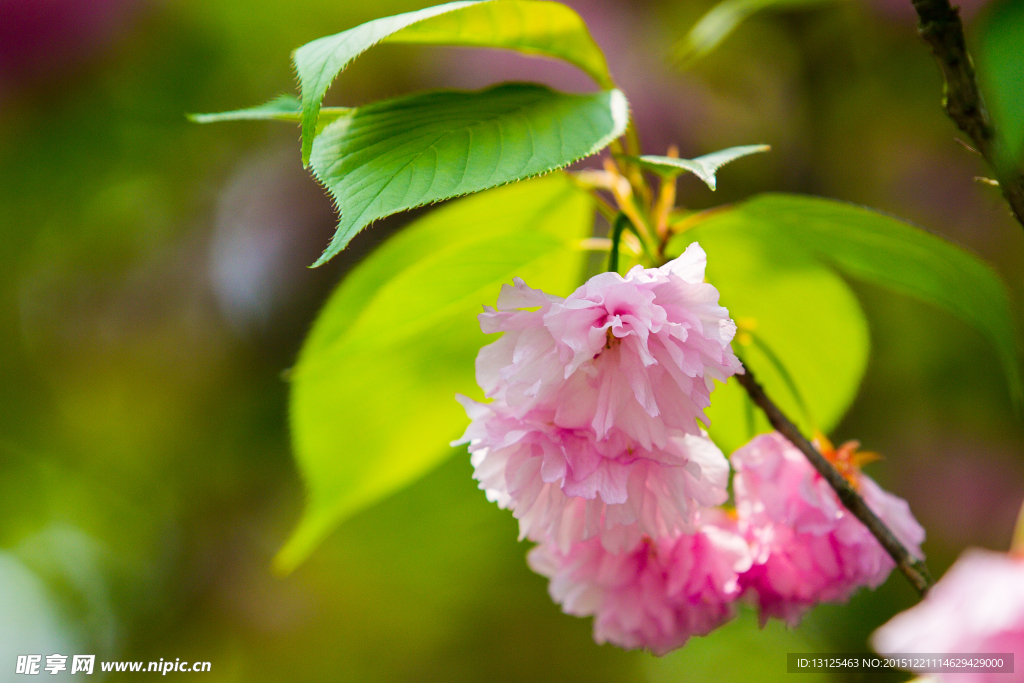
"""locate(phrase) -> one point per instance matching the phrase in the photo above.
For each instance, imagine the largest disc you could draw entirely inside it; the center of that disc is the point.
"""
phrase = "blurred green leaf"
(738, 652)
(885, 251)
(704, 167)
(33, 616)
(373, 394)
(1001, 65)
(537, 28)
(406, 152)
(721, 20)
(790, 306)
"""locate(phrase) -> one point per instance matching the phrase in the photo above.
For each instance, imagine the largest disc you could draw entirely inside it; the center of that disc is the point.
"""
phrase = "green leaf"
(715, 657)
(397, 154)
(1001, 67)
(373, 393)
(721, 20)
(544, 29)
(281, 108)
(882, 250)
(537, 28)
(800, 326)
(704, 167)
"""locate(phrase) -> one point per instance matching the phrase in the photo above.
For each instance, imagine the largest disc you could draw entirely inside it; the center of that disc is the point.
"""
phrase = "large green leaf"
(882, 250)
(1001, 66)
(372, 401)
(397, 154)
(537, 28)
(802, 330)
(722, 19)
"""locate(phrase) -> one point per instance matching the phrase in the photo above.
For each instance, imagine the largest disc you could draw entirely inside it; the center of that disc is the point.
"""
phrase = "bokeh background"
(154, 292)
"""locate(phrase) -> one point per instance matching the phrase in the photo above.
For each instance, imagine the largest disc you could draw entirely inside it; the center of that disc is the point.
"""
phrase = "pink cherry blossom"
(635, 354)
(807, 547)
(565, 485)
(657, 594)
(595, 401)
(977, 607)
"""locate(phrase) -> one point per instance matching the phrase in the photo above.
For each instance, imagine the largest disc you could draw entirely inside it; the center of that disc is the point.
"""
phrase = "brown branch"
(914, 569)
(940, 26)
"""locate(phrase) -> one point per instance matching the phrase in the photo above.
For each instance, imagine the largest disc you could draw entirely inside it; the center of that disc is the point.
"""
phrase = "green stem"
(621, 223)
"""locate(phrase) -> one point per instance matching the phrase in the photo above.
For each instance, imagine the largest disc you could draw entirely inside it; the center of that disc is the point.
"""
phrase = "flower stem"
(621, 223)
(915, 570)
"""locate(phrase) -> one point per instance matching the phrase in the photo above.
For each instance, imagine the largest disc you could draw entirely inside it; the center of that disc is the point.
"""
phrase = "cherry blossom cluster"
(592, 436)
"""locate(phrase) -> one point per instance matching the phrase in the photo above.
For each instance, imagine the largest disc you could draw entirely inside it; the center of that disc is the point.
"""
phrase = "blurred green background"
(154, 292)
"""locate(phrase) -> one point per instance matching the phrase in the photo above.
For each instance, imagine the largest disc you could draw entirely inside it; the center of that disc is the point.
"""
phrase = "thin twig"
(915, 570)
(940, 26)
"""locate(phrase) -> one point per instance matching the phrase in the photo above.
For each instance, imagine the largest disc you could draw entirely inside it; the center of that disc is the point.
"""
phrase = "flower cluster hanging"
(593, 437)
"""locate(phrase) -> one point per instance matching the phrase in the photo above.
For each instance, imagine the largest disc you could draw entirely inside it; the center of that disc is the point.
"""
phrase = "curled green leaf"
(704, 167)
